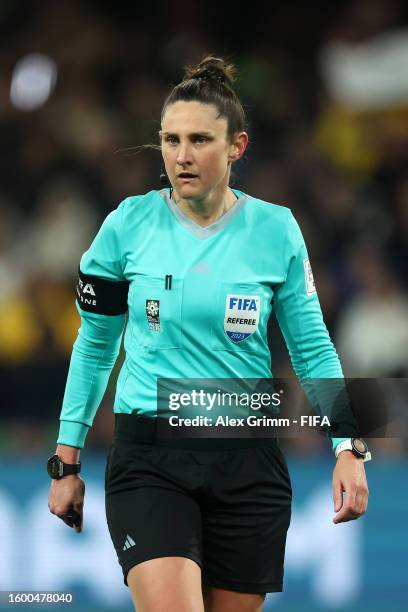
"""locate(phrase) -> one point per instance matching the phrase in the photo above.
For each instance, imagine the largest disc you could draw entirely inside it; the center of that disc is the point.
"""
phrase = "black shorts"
(228, 510)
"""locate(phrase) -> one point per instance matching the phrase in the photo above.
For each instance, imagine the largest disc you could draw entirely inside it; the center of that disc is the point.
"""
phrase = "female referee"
(194, 528)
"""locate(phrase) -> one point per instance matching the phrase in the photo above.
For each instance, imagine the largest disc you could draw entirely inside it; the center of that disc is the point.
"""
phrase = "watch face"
(360, 445)
(53, 467)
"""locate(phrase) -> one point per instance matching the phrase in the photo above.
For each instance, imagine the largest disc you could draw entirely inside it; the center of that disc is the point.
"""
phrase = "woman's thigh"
(166, 584)
(220, 600)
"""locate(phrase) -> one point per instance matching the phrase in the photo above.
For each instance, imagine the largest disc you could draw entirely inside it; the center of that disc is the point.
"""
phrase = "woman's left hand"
(349, 476)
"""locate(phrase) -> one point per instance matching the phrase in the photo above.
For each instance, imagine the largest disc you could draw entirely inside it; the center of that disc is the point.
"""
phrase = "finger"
(340, 516)
(67, 520)
(358, 504)
(337, 495)
(345, 515)
(347, 512)
(79, 522)
(361, 502)
(72, 518)
(76, 518)
(365, 502)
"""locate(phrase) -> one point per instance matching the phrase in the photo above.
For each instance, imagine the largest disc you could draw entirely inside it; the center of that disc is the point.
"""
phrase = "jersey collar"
(209, 230)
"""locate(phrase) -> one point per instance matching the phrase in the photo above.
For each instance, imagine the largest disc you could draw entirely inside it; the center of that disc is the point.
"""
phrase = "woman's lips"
(187, 179)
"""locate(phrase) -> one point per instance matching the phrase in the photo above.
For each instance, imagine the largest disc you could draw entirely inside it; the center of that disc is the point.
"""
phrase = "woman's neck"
(206, 211)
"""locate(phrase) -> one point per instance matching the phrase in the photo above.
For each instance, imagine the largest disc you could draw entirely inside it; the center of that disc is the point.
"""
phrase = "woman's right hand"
(66, 500)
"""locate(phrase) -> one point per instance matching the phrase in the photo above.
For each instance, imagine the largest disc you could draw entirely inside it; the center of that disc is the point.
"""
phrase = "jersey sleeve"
(104, 258)
(102, 304)
(300, 318)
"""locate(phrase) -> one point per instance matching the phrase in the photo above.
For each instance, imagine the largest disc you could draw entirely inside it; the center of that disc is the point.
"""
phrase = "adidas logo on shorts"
(129, 542)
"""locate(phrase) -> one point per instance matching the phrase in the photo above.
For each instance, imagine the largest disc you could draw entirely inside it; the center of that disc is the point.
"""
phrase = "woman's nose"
(183, 154)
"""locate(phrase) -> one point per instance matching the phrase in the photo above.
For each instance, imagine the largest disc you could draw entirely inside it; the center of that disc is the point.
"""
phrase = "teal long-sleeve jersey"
(198, 300)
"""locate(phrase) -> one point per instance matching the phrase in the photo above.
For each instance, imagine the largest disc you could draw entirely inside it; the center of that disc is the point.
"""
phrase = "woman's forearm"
(68, 454)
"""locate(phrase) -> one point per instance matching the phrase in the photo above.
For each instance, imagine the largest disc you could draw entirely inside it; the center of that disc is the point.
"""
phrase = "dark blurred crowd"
(341, 168)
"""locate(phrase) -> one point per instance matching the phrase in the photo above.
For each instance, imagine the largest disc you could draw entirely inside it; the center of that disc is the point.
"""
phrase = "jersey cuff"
(336, 441)
(72, 433)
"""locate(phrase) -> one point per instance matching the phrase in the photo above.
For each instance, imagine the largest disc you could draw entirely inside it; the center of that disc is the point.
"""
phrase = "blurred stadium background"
(326, 92)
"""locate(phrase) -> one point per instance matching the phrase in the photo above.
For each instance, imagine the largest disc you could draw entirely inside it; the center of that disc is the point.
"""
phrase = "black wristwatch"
(57, 469)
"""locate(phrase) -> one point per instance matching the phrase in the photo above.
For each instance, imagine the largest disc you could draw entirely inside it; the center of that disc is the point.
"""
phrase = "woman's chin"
(187, 190)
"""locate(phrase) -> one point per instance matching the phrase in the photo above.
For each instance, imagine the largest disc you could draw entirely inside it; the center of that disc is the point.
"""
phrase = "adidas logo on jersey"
(200, 268)
(129, 542)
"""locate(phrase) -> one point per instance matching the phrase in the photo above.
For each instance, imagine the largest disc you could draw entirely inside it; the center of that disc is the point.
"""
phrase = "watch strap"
(71, 468)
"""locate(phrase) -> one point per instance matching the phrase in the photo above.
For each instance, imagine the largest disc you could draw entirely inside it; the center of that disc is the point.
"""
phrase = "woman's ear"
(238, 146)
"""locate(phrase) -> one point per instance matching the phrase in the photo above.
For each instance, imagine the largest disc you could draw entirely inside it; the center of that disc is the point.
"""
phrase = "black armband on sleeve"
(101, 296)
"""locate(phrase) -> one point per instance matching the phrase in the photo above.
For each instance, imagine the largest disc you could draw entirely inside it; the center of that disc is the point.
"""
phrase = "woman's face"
(194, 142)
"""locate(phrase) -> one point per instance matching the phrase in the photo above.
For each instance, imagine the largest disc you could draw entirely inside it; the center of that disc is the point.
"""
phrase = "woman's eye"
(174, 139)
